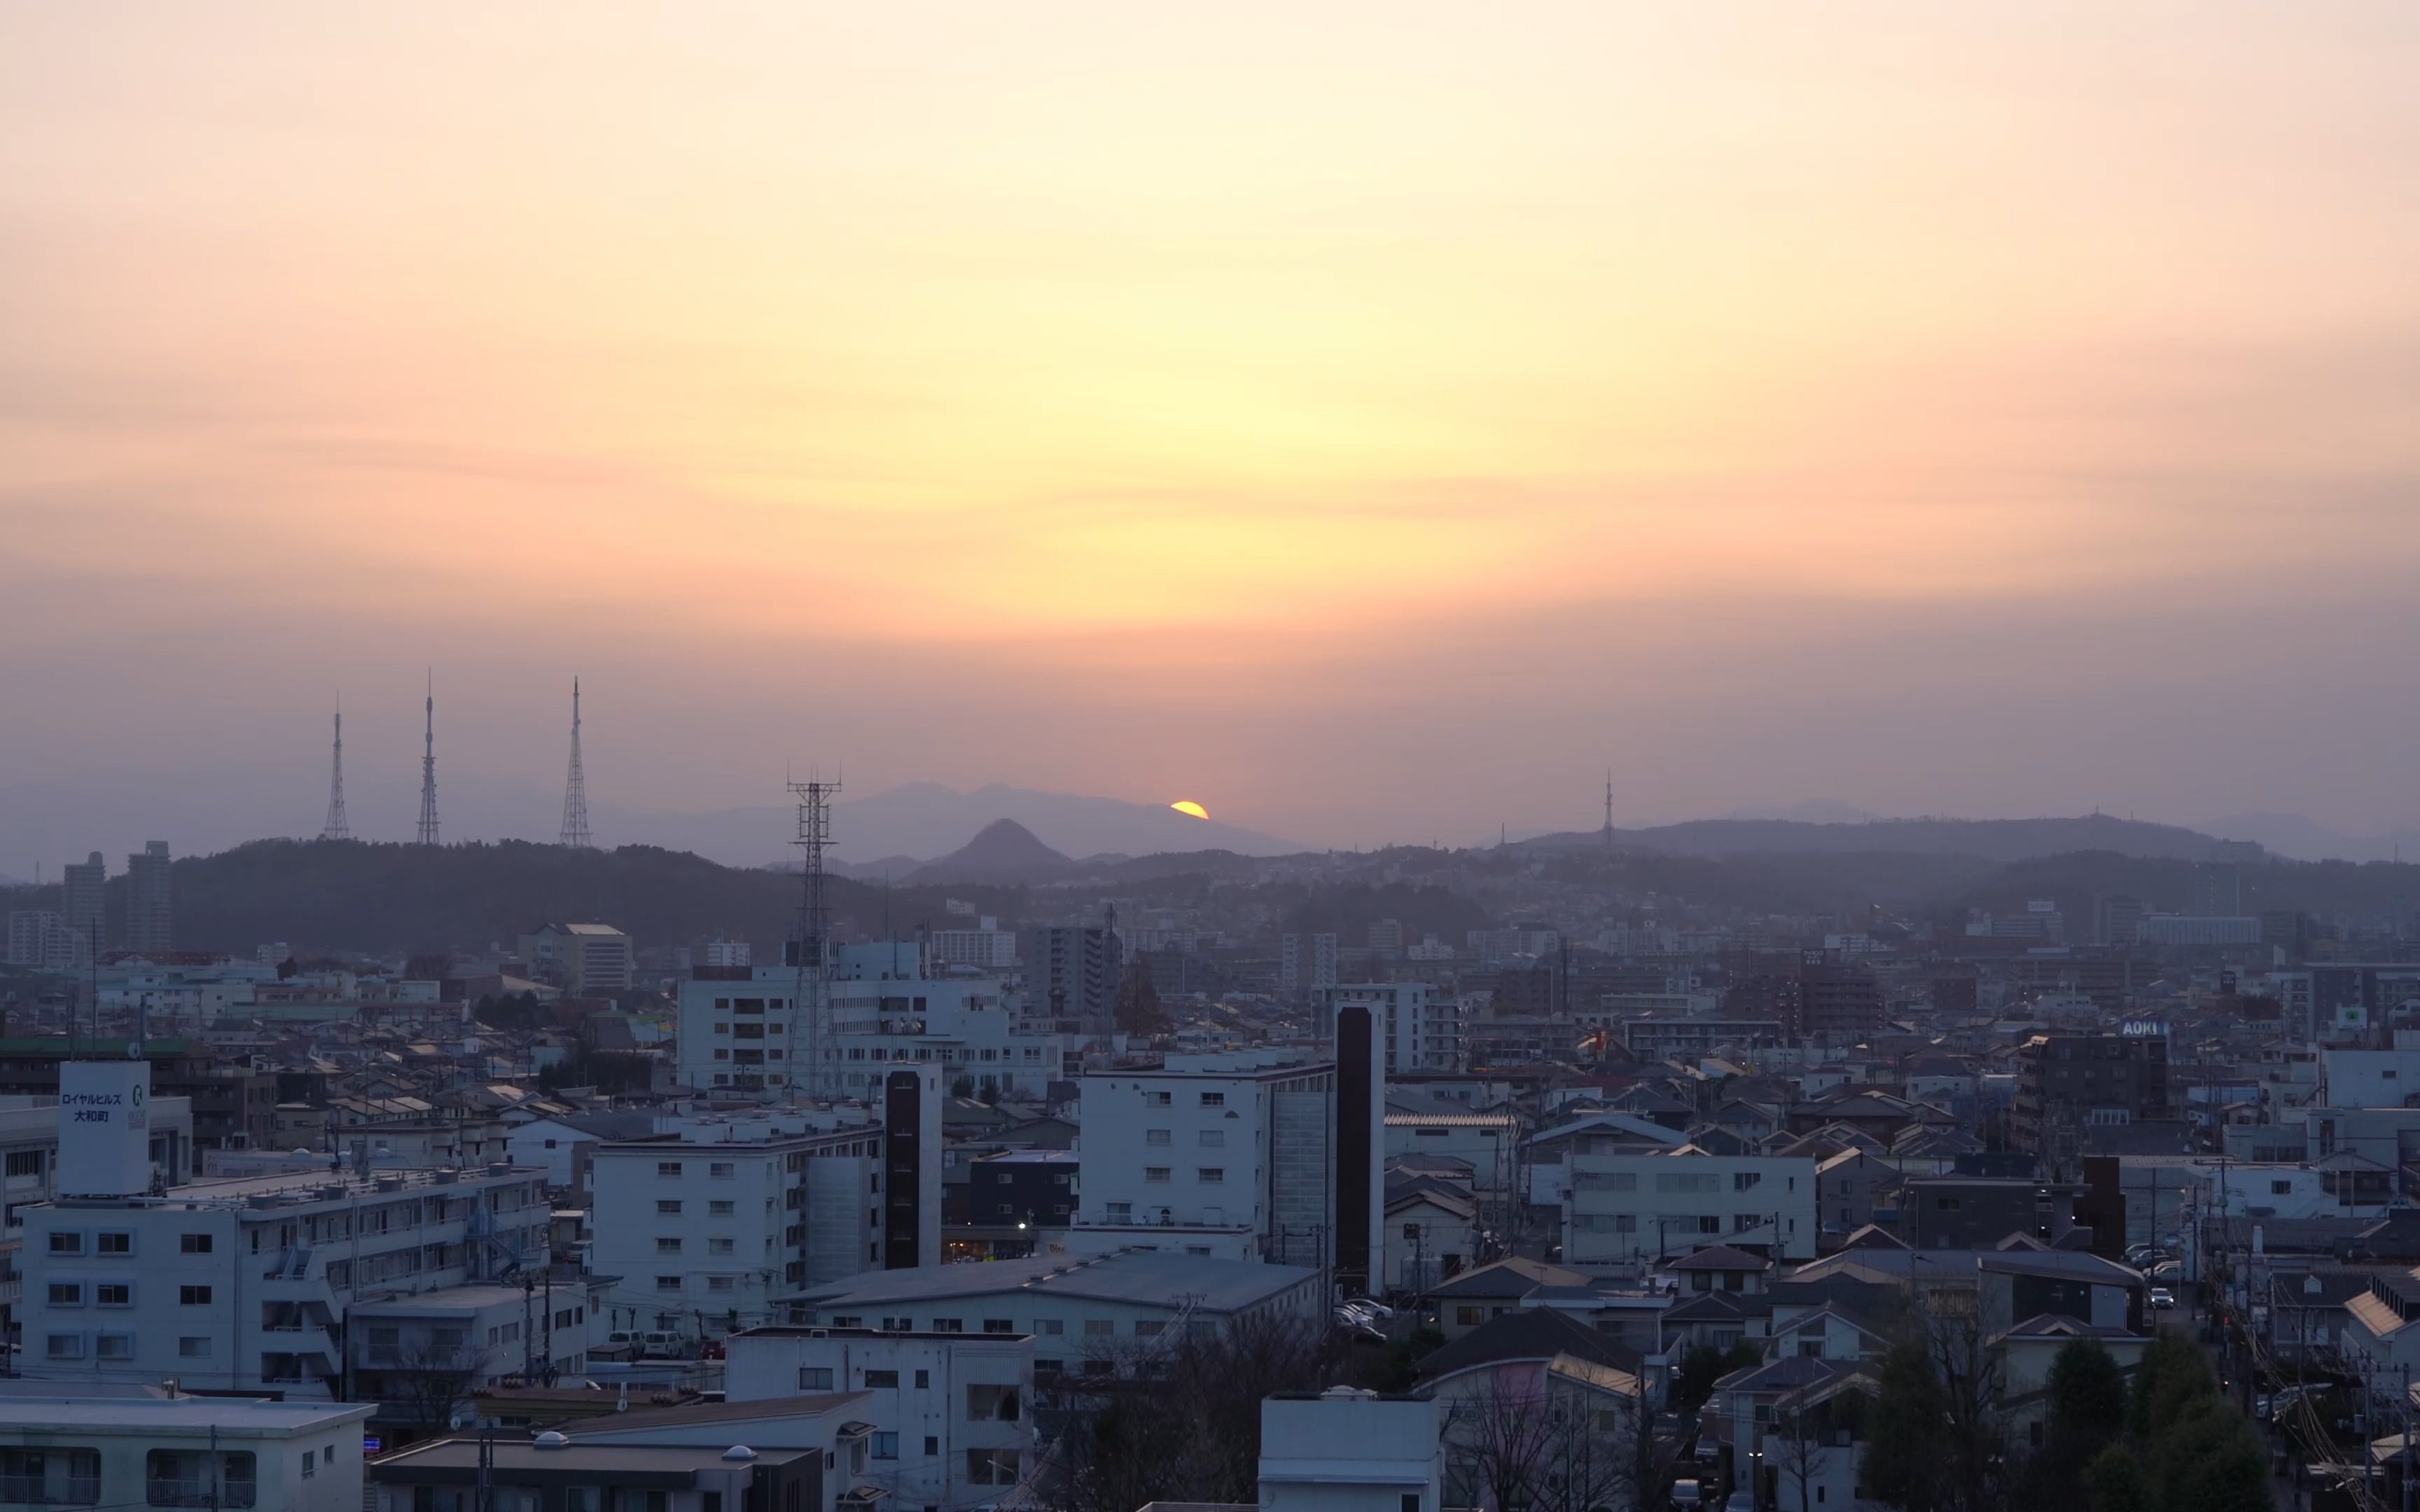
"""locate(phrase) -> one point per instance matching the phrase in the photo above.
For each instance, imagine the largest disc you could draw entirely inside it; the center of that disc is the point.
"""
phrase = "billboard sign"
(104, 1128)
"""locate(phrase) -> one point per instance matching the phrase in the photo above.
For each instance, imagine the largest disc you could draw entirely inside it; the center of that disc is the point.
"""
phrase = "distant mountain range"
(1992, 840)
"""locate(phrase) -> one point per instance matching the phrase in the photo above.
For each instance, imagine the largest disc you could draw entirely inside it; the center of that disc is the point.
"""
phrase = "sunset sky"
(1372, 421)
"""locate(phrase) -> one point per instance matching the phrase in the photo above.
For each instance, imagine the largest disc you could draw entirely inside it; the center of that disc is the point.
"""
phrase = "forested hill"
(328, 895)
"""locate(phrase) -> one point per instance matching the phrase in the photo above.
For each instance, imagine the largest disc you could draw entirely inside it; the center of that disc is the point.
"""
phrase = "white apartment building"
(707, 1233)
(584, 958)
(1344, 1450)
(1085, 1315)
(1626, 1208)
(2351, 1078)
(1210, 1141)
(29, 1156)
(977, 949)
(244, 1285)
(180, 1451)
(41, 940)
(1422, 1027)
(951, 1411)
(739, 1034)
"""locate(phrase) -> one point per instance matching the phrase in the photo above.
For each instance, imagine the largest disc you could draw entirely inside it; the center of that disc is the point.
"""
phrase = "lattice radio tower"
(335, 828)
(426, 833)
(814, 924)
(1608, 807)
(575, 787)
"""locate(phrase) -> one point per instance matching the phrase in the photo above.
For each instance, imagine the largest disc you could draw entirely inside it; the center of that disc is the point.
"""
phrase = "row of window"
(70, 1346)
(1206, 1138)
(718, 1208)
(116, 1242)
(715, 1244)
(713, 1283)
(1162, 1099)
(116, 1294)
(720, 1170)
(1205, 1175)
(1046, 1327)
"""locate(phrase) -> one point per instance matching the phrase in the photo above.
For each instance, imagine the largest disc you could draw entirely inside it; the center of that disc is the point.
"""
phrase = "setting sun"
(1189, 806)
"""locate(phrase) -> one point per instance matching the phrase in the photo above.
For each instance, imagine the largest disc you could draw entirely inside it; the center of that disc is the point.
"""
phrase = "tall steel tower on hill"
(335, 828)
(575, 787)
(426, 833)
(814, 959)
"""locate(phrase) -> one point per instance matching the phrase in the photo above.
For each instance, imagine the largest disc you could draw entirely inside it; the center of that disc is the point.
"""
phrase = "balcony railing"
(225, 1493)
(51, 1490)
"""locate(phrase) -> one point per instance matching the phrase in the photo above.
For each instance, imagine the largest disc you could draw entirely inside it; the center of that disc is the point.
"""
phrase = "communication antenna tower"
(814, 798)
(335, 828)
(427, 834)
(575, 787)
(1608, 807)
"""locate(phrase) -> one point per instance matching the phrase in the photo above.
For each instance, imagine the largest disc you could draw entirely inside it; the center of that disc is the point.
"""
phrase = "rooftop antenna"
(335, 828)
(575, 788)
(426, 833)
(814, 798)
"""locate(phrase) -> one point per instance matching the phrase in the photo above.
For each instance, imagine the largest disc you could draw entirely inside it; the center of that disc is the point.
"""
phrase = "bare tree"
(1523, 1439)
(1797, 1451)
(431, 1379)
(1973, 1389)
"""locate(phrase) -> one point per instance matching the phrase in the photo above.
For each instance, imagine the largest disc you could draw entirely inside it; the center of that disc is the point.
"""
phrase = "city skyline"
(1345, 423)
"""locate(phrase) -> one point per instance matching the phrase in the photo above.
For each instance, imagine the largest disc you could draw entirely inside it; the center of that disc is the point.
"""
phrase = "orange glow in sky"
(1384, 360)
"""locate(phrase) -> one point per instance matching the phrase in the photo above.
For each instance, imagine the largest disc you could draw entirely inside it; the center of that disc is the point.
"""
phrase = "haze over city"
(1371, 423)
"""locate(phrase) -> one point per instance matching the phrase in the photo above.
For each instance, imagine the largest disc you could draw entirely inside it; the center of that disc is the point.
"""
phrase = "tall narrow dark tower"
(335, 828)
(427, 834)
(1608, 808)
(575, 787)
(814, 959)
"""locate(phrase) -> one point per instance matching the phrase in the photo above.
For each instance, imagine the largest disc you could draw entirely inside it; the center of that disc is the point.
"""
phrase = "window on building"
(66, 1241)
(1156, 1100)
(814, 1378)
(1466, 1317)
(1211, 1174)
(113, 1294)
(668, 1207)
(720, 1170)
(668, 1171)
(1100, 1327)
(1214, 1138)
(1157, 1137)
(1156, 1173)
(717, 1283)
(1053, 1326)
(26, 1163)
(932, 1445)
(193, 1347)
(1214, 1100)
(63, 1347)
(67, 1294)
(107, 1242)
(923, 1381)
(886, 1447)
(668, 1246)
(668, 1283)
(720, 1208)
(876, 1379)
(1119, 1213)
(948, 1325)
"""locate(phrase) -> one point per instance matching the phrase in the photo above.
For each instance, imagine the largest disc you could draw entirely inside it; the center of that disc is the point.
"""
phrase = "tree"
(1907, 1448)
(1137, 1009)
(2173, 1373)
(1525, 1438)
(1701, 1369)
(2086, 1413)
(432, 1377)
(2116, 1482)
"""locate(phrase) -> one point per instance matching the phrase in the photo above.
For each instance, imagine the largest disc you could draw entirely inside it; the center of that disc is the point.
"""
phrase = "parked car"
(1741, 1501)
(1708, 1450)
(1688, 1493)
(1374, 1307)
(2162, 1299)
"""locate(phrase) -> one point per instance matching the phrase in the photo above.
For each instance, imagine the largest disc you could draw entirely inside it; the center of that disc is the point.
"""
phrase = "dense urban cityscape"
(1283, 756)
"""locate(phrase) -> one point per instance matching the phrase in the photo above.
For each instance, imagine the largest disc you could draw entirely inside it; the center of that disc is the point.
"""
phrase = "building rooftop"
(1144, 1277)
(178, 1414)
(463, 1456)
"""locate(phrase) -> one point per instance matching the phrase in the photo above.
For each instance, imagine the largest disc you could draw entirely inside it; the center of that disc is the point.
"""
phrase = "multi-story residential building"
(181, 1451)
(149, 919)
(976, 950)
(951, 1411)
(247, 1284)
(40, 940)
(1085, 1312)
(84, 899)
(1630, 1207)
(2067, 1082)
(1422, 1028)
(1652, 1039)
(1294, 1151)
(1979, 1211)
(1071, 975)
(1023, 1186)
(588, 960)
(707, 1233)
(740, 1034)
(727, 952)
(1306, 963)
(29, 1152)
(233, 1105)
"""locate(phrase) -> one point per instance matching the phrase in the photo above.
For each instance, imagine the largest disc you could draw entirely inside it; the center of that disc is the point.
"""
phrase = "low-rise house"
(179, 1451)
